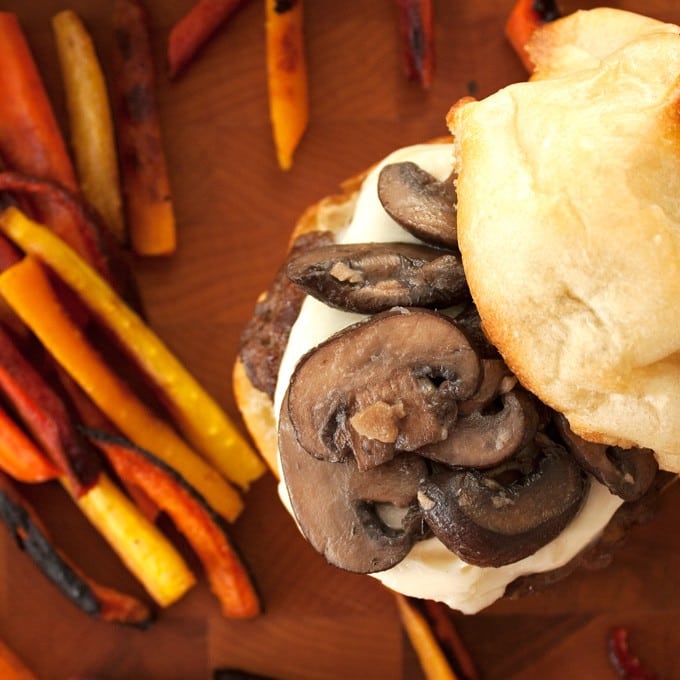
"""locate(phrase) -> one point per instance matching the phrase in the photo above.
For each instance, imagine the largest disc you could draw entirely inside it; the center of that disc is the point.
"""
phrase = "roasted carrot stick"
(94, 599)
(144, 550)
(92, 135)
(12, 667)
(27, 290)
(286, 76)
(195, 412)
(20, 457)
(415, 21)
(103, 253)
(45, 416)
(30, 139)
(203, 529)
(146, 186)
(194, 29)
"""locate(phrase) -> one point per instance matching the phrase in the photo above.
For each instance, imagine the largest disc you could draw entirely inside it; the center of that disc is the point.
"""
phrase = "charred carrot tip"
(286, 77)
(415, 21)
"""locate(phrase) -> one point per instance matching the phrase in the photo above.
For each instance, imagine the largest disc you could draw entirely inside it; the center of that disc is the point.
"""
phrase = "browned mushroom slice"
(496, 379)
(502, 515)
(372, 277)
(389, 383)
(359, 521)
(420, 203)
(470, 322)
(628, 473)
(484, 440)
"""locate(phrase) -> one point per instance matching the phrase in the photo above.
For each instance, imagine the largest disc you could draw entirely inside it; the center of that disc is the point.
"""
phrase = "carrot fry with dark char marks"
(189, 35)
(415, 21)
(146, 185)
(194, 411)
(286, 76)
(28, 291)
(45, 416)
(201, 525)
(91, 125)
(96, 600)
(12, 667)
(22, 184)
(103, 253)
(140, 544)
(30, 139)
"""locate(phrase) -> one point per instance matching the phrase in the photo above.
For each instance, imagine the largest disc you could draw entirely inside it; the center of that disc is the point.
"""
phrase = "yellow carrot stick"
(27, 289)
(90, 120)
(431, 657)
(286, 76)
(142, 547)
(199, 417)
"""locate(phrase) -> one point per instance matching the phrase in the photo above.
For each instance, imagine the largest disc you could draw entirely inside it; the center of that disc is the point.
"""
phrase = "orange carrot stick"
(287, 76)
(30, 139)
(26, 288)
(146, 186)
(228, 577)
(194, 29)
(20, 458)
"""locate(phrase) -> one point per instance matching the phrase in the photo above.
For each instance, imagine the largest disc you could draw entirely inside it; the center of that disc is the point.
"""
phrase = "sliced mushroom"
(484, 440)
(387, 384)
(499, 516)
(469, 320)
(420, 203)
(497, 379)
(372, 277)
(628, 473)
(347, 515)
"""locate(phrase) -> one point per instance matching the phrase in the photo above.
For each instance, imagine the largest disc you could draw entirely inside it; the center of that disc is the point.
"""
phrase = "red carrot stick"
(194, 30)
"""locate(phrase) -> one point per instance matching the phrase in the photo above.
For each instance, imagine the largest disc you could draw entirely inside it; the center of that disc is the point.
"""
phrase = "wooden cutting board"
(235, 209)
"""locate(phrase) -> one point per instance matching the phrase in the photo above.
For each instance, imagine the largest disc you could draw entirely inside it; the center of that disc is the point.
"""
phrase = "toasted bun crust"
(583, 38)
(331, 213)
(569, 227)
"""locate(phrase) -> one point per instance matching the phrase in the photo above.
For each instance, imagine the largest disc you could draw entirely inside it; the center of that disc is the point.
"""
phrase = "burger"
(467, 373)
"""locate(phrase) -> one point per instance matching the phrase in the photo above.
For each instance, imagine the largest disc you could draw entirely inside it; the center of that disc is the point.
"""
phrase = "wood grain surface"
(235, 209)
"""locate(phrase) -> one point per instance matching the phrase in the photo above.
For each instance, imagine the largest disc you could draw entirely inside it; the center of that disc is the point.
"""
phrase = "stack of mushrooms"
(409, 424)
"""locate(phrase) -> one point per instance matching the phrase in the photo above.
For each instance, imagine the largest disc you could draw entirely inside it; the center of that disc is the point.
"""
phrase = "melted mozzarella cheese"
(430, 570)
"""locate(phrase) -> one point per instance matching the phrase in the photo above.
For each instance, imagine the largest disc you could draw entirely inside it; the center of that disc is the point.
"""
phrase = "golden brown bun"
(583, 38)
(332, 213)
(569, 227)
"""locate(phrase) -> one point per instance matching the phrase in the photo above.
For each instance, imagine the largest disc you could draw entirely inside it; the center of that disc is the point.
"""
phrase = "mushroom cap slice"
(420, 203)
(340, 509)
(628, 473)
(373, 277)
(499, 516)
(386, 384)
(484, 440)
